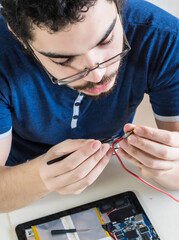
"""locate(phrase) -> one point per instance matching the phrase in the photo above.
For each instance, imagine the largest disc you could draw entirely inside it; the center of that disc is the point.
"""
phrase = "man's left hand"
(155, 152)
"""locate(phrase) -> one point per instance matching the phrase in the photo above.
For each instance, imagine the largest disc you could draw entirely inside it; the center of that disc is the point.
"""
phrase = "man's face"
(83, 45)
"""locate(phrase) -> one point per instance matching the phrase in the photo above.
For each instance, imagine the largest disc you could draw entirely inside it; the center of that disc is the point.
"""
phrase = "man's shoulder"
(11, 50)
(143, 13)
(7, 40)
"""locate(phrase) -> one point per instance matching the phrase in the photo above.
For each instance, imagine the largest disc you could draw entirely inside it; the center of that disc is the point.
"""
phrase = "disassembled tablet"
(119, 217)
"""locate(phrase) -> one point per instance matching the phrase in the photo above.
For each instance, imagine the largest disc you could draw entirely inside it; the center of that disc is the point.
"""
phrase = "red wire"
(108, 214)
(112, 235)
(158, 189)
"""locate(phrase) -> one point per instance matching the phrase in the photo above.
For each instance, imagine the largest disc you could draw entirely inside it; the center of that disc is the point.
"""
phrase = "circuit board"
(135, 227)
(123, 222)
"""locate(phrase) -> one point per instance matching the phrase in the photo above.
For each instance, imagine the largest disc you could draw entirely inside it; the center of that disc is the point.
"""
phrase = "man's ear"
(10, 29)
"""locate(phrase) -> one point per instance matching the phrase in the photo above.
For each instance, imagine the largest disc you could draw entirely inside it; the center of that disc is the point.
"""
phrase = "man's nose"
(97, 73)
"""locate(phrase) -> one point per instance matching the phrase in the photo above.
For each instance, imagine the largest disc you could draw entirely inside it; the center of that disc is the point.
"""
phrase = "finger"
(135, 154)
(75, 159)
(122, 154)
(151, 173)
(82, 170)
(129, 127)
(162, 136)
(155, 149)
(147, 172)
(77, 187)
(65, 147)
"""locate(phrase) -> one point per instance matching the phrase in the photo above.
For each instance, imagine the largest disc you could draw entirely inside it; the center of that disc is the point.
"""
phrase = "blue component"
(136, 227)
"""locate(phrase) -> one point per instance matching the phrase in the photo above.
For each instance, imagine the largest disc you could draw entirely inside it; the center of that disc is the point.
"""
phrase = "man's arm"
(25, 183)
(5, 146)
(19, 185)
(154, 151)
(170, 126)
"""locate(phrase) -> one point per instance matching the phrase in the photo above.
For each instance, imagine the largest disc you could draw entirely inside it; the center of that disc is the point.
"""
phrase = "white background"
(171, 6)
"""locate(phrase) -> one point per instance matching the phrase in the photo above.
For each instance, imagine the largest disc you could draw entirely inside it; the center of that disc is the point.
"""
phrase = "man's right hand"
(77, 171)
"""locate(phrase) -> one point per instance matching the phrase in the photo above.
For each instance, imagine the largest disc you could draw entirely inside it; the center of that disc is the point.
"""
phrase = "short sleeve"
(164, 82)
(5, 105)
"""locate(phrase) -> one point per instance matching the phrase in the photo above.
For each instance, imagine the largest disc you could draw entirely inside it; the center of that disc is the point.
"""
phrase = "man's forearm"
(20, 185)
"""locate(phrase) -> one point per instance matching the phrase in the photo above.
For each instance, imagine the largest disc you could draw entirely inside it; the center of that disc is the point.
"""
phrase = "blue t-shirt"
(41, 114)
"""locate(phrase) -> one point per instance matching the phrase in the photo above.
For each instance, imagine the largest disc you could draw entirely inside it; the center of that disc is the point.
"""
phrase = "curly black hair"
(54, 15)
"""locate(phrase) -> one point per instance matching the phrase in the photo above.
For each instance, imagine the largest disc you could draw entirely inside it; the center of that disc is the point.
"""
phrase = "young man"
(72, 74)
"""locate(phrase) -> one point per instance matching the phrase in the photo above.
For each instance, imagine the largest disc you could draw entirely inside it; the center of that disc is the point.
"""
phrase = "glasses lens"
(110, 61)
(72, 78)
(115, 58)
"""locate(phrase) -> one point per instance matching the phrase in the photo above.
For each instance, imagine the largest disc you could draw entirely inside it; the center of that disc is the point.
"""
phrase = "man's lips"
(99, 88)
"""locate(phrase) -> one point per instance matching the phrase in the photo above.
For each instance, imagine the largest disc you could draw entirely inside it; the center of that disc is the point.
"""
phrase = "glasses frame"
(86, 71)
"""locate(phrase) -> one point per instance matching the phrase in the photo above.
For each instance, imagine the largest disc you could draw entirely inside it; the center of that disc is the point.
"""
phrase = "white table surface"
(162, 211)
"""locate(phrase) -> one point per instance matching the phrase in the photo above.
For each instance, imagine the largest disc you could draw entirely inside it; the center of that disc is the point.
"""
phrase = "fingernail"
(96, 145)
(109, 153)
(139, 131)
(103, 148)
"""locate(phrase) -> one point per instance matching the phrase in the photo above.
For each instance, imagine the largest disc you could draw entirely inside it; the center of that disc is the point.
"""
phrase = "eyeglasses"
(86, 71)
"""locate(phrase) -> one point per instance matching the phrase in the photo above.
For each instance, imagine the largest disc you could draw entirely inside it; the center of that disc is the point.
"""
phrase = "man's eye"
(107, 41)
(62, 63)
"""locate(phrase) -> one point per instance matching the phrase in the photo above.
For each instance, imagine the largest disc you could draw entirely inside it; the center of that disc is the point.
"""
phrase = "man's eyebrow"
(56, 55)
(108, 32)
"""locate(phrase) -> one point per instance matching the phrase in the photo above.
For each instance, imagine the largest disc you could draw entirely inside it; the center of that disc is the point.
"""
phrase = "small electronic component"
(143, 229)
(138, 218)
(145, 236)
(29, 234)
(108, 227)
(119, 235)
(131, 234)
